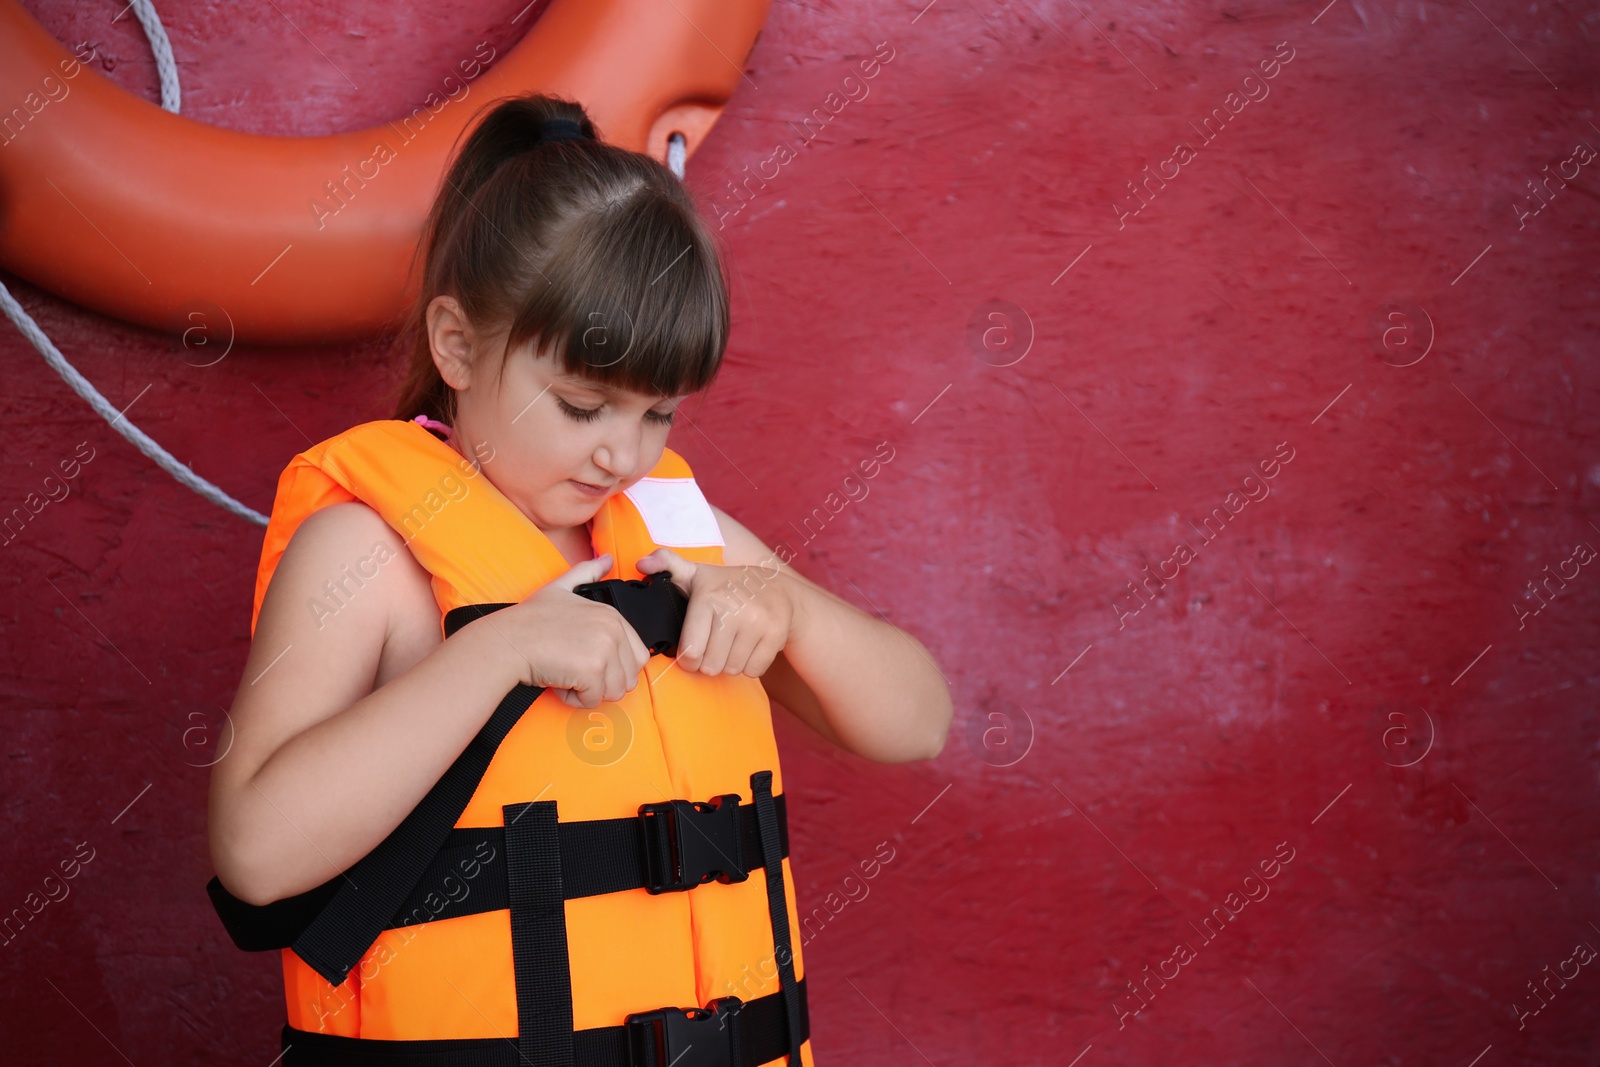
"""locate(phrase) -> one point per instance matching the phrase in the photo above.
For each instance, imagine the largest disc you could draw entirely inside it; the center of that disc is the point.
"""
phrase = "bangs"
(629, 296)
(593, 253)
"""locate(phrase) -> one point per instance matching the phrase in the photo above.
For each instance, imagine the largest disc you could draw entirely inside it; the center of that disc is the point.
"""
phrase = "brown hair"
(592, 250)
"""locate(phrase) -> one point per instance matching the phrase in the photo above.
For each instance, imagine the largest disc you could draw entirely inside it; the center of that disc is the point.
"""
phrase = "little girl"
(482, 819)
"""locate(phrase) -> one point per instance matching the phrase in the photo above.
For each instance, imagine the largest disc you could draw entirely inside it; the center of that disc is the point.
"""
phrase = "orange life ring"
(147, 216)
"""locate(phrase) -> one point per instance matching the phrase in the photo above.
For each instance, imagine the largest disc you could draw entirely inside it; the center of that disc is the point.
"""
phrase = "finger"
(613, 670)
(719, 642)
(589, 570)
(625, 656)
(617, 685)
(591, 687)
(636, 655)
(744, 643)
(761, 659)
(664, 559)
(696, 631)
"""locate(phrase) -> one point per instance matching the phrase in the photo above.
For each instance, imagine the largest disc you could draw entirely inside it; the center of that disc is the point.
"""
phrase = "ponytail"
(583, 248)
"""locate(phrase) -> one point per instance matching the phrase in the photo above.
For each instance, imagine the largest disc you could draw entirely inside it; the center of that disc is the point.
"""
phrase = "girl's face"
(557, 445)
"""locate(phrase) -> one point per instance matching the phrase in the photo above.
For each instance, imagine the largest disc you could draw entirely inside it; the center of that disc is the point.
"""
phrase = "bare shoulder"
(338, 526)
(326, 628)
(742, 548)
(341, 555)
(351, 559)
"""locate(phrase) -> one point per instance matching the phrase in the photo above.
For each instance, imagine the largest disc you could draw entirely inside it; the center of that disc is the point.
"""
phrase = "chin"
(585, 512)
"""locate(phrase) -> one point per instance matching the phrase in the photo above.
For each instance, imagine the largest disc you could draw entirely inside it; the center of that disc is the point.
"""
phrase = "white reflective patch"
(675, 512)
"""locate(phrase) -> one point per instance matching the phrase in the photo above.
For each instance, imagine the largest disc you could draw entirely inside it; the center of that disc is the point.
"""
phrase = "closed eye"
(580, 414)
(590, 414)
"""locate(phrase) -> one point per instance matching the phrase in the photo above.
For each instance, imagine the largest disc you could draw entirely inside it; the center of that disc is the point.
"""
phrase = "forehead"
(607, 391)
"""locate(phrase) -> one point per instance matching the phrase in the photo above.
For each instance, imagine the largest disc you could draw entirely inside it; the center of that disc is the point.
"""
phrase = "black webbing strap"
(653, 606)
(763, 1023)
(539, 934)
(259, 927)
(344, 916)
(778, 908)
(374, 888)
(467, 876)
(598, 856)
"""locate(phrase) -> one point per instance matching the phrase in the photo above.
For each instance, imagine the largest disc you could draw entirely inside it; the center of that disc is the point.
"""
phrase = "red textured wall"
(1351, 674)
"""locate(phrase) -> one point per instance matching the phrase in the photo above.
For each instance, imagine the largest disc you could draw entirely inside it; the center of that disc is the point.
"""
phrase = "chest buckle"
(688, 1037)
(653, 605)
(690, 842)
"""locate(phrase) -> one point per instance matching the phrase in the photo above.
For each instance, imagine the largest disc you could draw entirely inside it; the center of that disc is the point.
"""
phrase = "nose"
(618, 454)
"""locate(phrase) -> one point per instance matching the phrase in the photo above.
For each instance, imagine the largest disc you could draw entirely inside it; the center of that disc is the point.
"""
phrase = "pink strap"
(432, 424)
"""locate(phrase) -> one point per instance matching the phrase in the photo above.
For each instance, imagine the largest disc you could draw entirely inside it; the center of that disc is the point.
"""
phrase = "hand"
(739, 618)
(584, 650)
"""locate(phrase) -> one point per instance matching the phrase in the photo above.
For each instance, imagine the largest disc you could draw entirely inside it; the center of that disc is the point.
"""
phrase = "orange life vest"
(678, 734)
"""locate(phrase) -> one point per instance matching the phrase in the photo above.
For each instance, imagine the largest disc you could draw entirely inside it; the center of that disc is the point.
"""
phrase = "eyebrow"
(604, 390)
(586, 383)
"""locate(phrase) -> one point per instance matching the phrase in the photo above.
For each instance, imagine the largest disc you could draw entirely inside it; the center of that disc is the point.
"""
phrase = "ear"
(453, 341)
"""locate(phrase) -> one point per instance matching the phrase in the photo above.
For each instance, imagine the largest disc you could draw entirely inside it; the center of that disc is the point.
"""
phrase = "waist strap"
(747, 1033)
(719, 1035)
(467, 875)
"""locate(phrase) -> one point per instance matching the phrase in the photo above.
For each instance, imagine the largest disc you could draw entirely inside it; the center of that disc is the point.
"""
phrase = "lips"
(590, 490)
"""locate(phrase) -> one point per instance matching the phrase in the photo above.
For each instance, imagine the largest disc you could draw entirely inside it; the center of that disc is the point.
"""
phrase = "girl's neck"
(575, 543)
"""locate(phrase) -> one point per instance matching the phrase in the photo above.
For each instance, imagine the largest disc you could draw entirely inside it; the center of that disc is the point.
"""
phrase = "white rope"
(52, 355)
(677, 152)
(135, 436)
(166, 66)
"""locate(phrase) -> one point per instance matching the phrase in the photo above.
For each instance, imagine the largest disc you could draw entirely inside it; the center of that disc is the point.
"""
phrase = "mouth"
(589, 490)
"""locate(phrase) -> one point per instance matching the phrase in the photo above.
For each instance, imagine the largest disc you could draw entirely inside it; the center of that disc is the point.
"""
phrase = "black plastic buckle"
(701, 842)
(653, 604)
(687, 1037)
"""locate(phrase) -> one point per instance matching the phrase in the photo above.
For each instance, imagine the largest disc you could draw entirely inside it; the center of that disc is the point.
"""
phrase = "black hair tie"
(559, 130)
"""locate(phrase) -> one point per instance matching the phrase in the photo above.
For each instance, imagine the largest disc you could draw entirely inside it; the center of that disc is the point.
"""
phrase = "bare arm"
(863, 684)
(323, 767)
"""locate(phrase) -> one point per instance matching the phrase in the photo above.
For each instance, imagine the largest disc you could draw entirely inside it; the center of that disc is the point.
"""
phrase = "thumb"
(680, 570)
(589, 570)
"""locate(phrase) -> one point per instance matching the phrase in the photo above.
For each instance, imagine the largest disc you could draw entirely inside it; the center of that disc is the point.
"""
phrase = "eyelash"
(590, 414)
